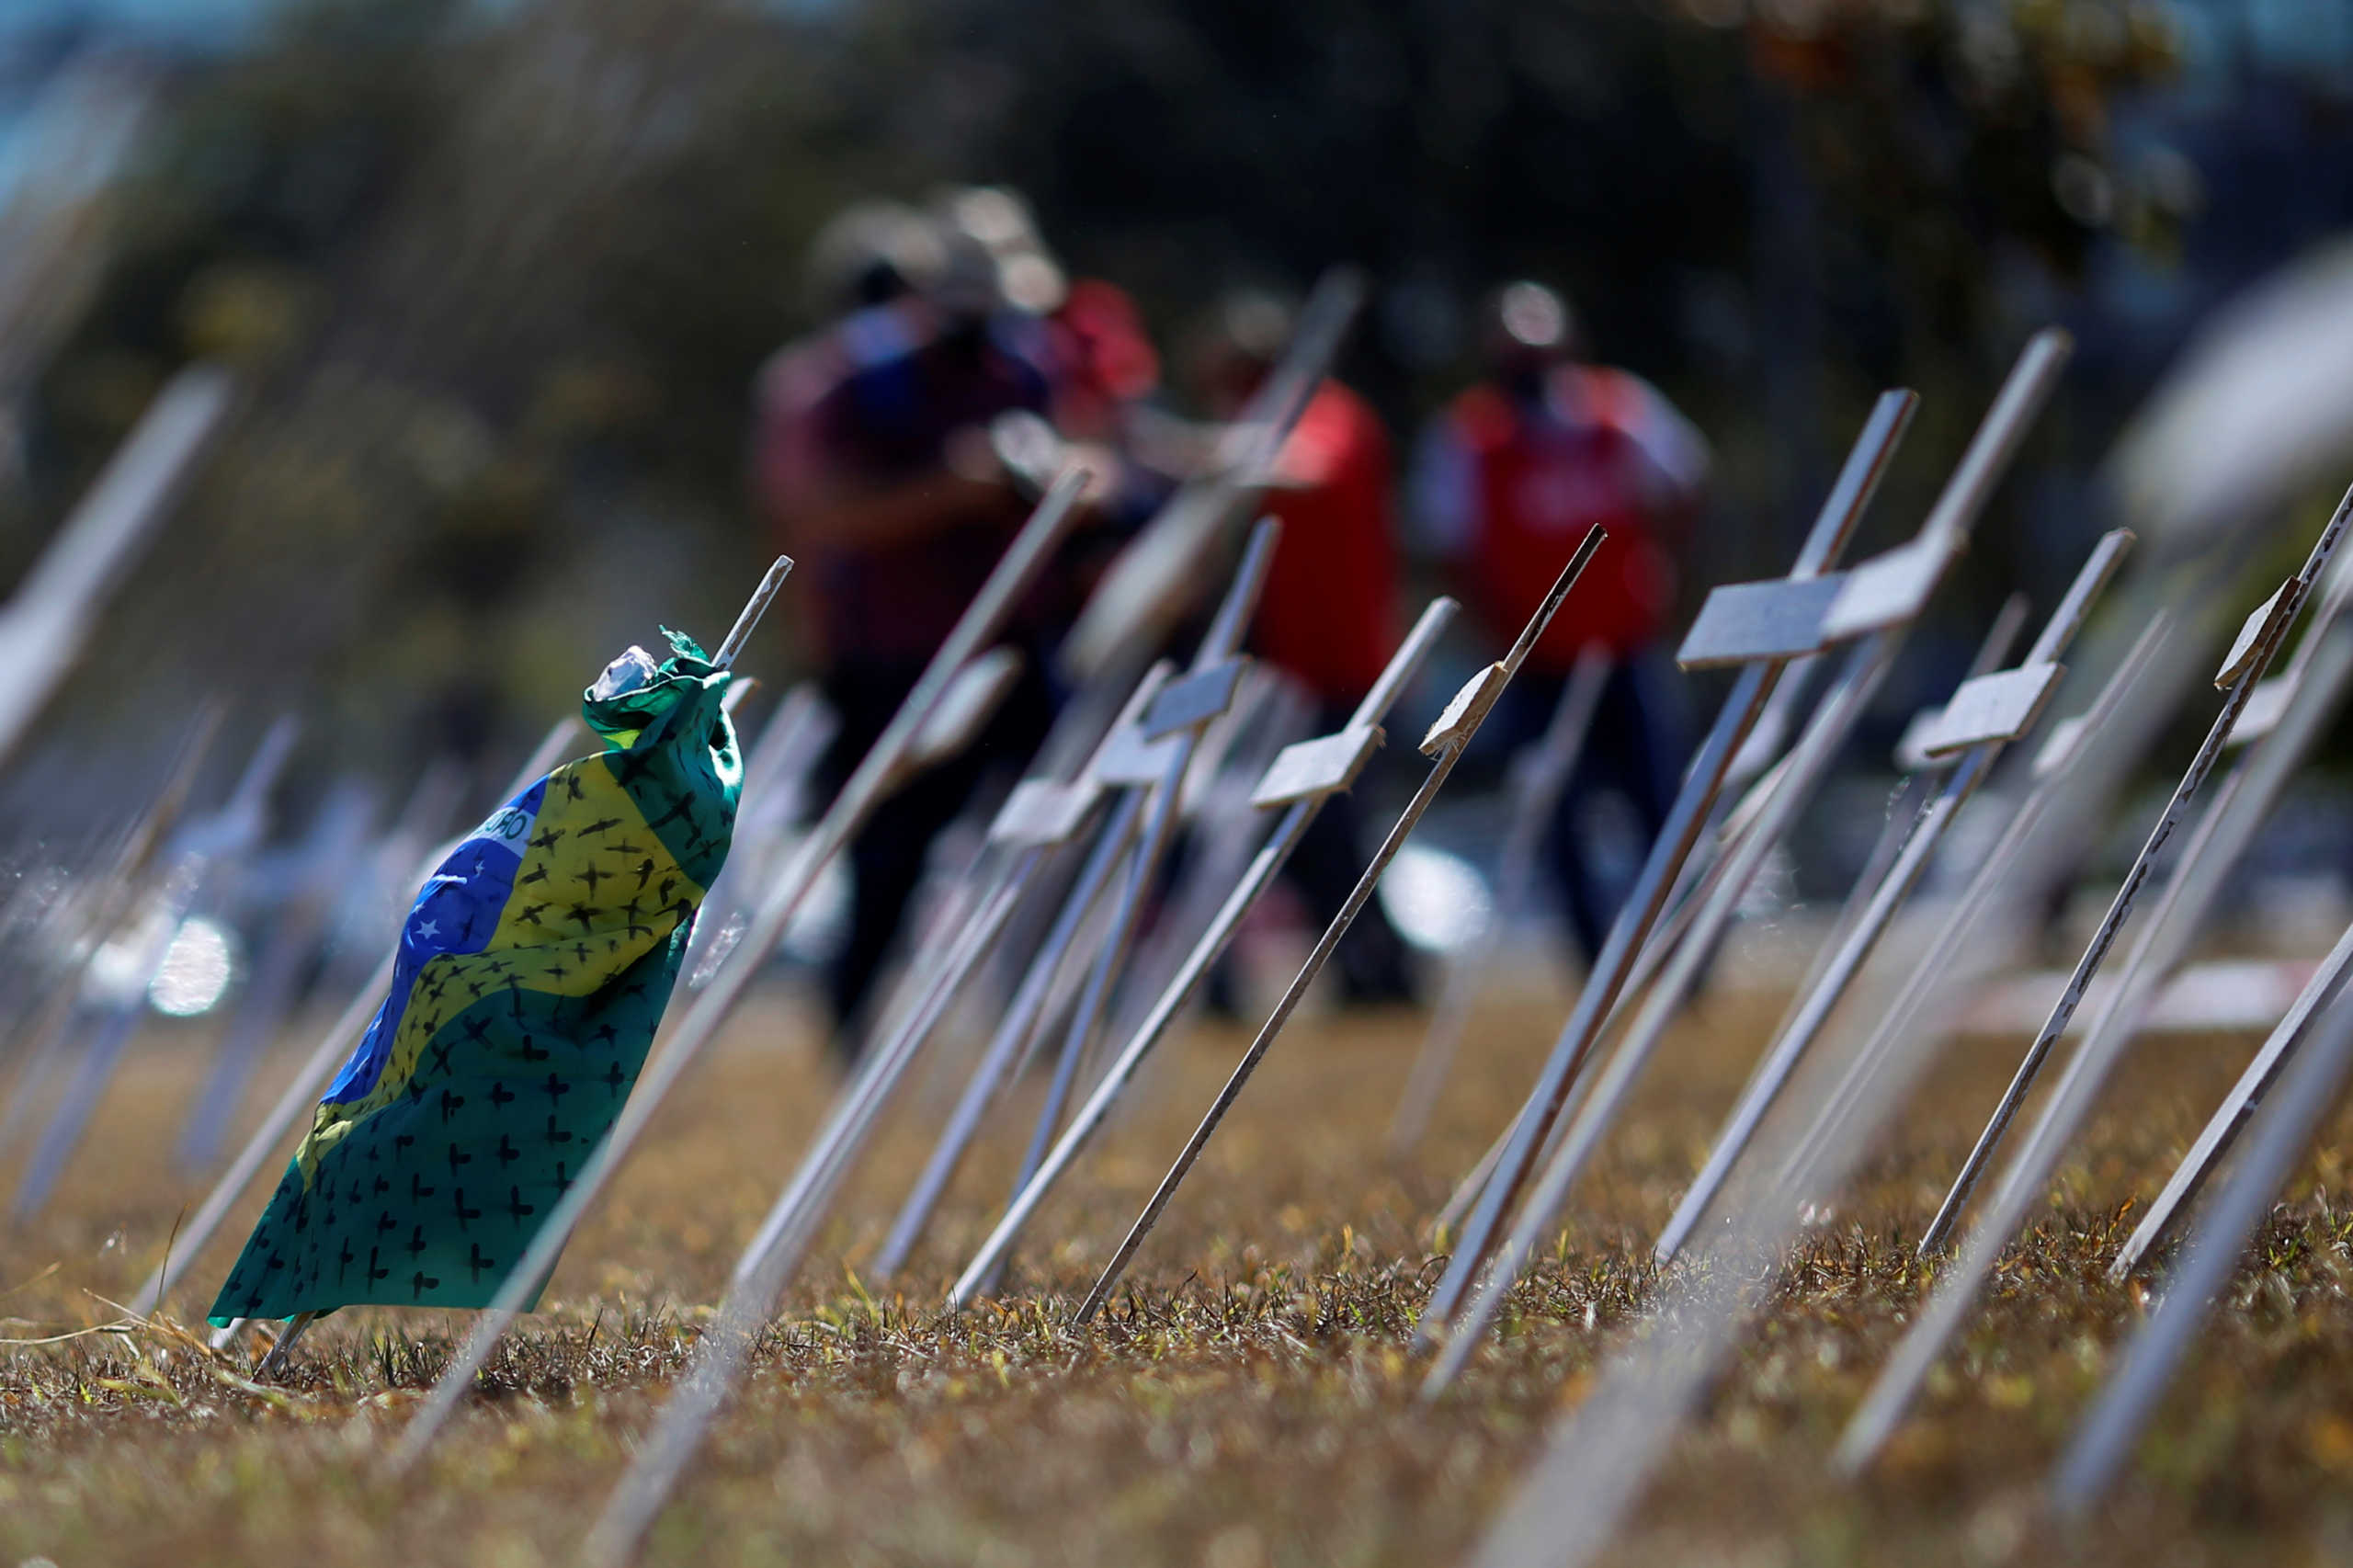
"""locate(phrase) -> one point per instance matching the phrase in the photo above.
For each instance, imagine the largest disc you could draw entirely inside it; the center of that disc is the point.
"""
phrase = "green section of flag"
(533, 972)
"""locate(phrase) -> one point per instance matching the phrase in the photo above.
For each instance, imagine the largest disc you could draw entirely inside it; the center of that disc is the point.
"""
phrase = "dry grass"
(1249, 1400)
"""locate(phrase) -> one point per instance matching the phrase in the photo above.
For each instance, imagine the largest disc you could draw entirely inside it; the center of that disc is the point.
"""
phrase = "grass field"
(1249, 1401)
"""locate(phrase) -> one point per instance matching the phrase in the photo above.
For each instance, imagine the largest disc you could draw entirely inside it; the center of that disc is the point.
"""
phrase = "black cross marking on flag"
(500, 1094)
(476, 1263)
(507, 1152)
(441, 1056)
(555, 1089)
(415, 1243)
(459, 1157)
(589, 877)
(384, 1222)
(344, 1261)
(599, 825)
(420, 1283)
(517, 1210)
(645, 872)
(449, 1104)
(547, 840)
(458, 1204)
(554, 1135)
(418, 1192)
(375, 1273)
(614, 1077)
(529, 915)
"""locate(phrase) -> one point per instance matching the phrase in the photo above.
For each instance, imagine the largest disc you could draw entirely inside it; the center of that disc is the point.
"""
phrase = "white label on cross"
(1324, 765)
(1998, 707)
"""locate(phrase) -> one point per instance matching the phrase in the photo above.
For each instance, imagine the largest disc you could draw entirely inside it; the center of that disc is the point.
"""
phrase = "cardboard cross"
(1303, 777)
(140, 871)
(1444, 742)
(1944, 945)
(1223, 829)
(208, 849)
(1603, 1453)
(2314, 688)
(1165, 742)
(302, 896)
(1538, 776)
(1048, 817)
(1172, 713)
(1037, 816)
(1875, 594)
(1759, 627)
(1988, 711)
(2283, 1130)
(2258, 644)
(2217, 843)
(1152, 738)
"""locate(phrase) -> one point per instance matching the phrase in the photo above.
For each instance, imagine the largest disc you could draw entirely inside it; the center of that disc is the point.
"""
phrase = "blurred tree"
(502, 277)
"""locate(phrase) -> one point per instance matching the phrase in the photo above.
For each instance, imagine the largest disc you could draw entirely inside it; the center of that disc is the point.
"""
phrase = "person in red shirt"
(1329, 614)
(1506, 481)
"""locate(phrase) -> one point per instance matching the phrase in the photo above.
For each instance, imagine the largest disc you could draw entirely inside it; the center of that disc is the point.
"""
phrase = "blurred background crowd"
(555, 318)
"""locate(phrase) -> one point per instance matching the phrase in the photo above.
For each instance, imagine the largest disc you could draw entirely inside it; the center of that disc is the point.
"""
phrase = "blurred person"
(1098, 355)
(1100, 365)
(874, 465)
(1329, 614)
(1506, 481)
(871, 252)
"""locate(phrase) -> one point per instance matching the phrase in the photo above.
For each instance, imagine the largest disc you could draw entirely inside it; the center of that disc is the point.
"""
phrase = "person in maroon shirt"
(873, 465)
(1506, 484)
(1329, 614)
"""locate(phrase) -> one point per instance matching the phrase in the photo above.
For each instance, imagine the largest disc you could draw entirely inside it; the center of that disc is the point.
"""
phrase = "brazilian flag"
(532, 974)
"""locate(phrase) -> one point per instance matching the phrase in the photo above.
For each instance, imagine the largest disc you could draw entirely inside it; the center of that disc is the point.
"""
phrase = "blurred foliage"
(499, 280)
